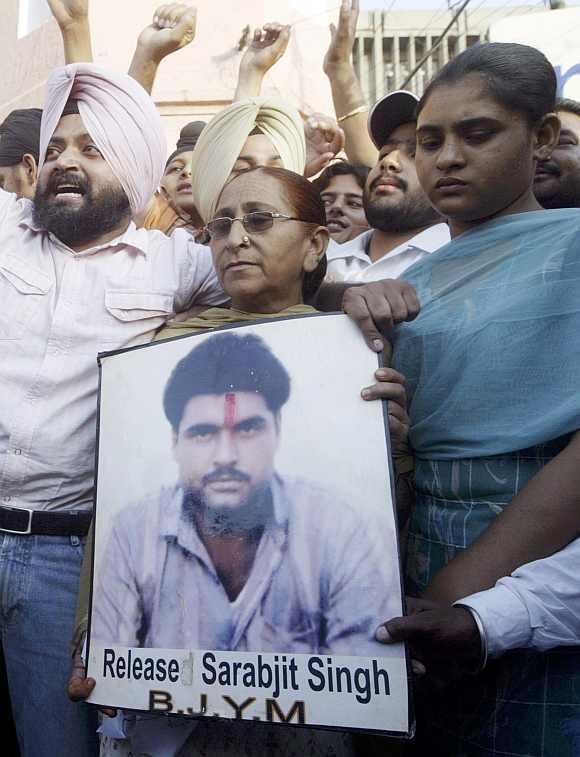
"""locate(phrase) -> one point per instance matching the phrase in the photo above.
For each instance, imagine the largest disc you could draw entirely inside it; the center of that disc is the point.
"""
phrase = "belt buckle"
(28, 529)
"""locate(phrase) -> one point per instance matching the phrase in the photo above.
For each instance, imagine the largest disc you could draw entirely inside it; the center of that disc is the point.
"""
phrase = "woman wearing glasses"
(268, 241)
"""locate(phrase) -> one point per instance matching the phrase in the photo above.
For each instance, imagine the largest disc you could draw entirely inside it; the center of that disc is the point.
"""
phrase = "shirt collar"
(428, 240)
(431, 239)
(280, 501)
(27, 217)
(136, 239)
(355, 248)
(174, 526)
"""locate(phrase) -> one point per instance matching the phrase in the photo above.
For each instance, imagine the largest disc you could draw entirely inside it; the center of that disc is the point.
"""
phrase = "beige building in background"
(199, 80)
(194, 82)
(390, 44)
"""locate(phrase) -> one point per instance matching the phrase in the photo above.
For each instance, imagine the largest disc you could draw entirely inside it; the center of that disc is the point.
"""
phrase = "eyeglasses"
(253, 223)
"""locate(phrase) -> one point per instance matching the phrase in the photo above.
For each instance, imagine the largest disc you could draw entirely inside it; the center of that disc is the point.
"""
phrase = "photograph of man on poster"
(236, 556)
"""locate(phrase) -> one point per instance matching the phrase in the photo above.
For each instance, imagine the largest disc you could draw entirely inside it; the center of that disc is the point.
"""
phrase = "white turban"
(121, 119)
(221, 142)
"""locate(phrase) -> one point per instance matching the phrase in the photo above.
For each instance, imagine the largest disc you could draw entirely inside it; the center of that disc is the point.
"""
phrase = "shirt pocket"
(289, 623)
(134, 314)
(301, 638)
(22, 288)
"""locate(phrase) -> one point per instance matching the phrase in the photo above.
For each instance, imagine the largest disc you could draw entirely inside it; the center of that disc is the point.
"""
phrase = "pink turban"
(120, 117)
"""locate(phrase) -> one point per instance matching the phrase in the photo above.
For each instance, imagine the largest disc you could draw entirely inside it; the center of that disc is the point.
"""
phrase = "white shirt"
(538, 606)
(350, 261)
(58, 310)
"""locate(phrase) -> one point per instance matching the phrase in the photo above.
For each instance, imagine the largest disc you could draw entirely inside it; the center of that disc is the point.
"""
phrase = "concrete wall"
(195, 82)
(391, 43)
(199, 80)
(25, 62)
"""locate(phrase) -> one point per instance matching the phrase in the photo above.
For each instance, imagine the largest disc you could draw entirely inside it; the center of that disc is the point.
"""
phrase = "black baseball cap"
(389, 112)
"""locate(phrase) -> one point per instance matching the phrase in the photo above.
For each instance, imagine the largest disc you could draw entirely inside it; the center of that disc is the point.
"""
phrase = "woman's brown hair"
(307, 205)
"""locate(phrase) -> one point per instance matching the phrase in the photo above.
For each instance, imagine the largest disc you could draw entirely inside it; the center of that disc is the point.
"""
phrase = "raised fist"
(268, 45)
(173, 27)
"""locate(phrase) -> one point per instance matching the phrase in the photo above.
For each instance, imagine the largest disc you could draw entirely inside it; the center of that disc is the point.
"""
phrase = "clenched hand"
(173, 28)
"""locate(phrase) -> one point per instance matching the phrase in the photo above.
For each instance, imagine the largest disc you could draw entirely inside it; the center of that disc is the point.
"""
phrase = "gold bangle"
(355, 112)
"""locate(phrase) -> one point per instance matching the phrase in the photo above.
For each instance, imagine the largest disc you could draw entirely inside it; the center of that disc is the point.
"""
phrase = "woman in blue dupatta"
(493, 367)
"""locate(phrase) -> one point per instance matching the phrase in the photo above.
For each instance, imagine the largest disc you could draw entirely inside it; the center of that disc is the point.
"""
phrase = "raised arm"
(324, 140)
(173, 27)
(72, 17)
(266, 48)
(350, 103)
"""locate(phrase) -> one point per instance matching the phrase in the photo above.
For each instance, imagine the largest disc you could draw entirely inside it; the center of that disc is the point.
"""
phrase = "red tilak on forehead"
(230, 410)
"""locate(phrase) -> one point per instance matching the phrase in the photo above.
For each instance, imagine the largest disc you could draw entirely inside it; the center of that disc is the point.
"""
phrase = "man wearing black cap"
(404, 226)
(19, 142)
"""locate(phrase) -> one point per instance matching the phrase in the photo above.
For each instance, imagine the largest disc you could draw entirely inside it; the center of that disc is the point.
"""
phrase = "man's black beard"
(97, 216)
(412, 212)
(252, 514)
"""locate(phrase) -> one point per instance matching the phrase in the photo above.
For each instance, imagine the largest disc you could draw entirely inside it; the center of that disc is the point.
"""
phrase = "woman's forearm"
(348, 97)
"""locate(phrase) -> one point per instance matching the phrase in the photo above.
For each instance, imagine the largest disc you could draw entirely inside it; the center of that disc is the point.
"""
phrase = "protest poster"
(245, 536)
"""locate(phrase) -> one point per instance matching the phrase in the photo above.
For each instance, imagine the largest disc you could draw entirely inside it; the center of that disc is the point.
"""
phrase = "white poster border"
(188, 688)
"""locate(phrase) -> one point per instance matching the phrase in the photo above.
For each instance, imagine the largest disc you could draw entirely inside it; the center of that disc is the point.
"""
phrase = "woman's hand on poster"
(378, 306)
(390, 386)
(444, 640)
(80, 687)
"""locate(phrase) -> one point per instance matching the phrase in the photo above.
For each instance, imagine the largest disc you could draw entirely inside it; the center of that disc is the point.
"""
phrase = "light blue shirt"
(320, 582)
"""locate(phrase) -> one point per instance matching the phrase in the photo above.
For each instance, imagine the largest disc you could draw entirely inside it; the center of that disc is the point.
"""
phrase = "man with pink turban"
(76, 278)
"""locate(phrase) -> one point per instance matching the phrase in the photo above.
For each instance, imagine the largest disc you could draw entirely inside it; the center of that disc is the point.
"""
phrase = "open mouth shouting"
(69, 190)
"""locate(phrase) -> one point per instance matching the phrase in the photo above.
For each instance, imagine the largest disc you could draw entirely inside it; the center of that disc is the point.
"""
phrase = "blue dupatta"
(493, 360)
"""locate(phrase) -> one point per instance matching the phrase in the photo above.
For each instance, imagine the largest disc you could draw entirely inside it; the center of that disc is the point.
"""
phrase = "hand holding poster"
(245, 540)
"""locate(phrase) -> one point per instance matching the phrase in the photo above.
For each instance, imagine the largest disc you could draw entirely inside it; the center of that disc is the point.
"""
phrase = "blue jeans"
(39, 578)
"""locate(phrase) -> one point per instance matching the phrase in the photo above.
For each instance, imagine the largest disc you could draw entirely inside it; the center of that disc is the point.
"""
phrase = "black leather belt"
(20, 520)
